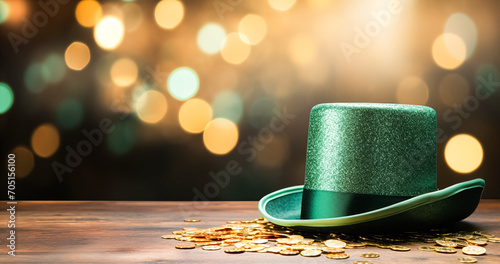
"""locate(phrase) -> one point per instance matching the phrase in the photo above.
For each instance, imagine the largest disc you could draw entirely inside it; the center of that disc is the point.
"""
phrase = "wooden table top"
(121, 232)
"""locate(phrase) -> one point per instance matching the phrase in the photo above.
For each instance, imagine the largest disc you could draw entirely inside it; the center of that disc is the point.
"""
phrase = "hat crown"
(380, 149)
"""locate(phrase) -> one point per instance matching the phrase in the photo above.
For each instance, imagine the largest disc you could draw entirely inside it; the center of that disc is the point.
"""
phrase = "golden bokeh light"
(463, 153)
(252, 29)
(281, 5)
(88, 13)
(449, 51)
(25, 161)
(124, 72)
(109, 33)
(45, 140)
(169, 13)
(302, 50)
(462, 26)
(194, 115)
(235, 51)
(220, 136)
(77, 56)
(274, 154)
(412, 90)
(18, 10)
(453, 89)
(151, 106)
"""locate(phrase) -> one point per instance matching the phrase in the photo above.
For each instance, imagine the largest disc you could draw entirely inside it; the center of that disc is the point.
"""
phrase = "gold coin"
(234, 250)
(211, 247)
(445, 250)
(192, 220)
(494, 239)
(427, 248)
(307, 241)
(233, 222)
(474, 250)
(329, 250)
(476, 242)
(287, 252)
(169, 236)
(446, 243)
(275, 249)
(296, 237)
(259, 241)
(467, 260)
(335, 243)
(255, 249)
(399, 248)
(362, 262)
(370, 255)
(185, 246)
(338, 256)
(311, 252)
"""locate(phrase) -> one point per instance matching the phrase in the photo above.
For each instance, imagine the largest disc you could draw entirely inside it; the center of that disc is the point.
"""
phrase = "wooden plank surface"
(121, 232)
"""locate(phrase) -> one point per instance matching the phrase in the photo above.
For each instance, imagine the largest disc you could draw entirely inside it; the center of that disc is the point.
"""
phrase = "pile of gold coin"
(261, 236)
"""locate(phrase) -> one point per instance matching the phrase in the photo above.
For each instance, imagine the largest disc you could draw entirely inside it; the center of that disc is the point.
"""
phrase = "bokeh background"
(172, 92)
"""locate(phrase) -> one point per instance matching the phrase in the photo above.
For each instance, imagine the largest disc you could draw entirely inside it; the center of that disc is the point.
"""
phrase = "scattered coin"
(338, 256)
(234, 250)
(427, 248)
(287, 252)
(211, 247)
(370, 255)
(474, 250)
(170, 236)
(259, 241)
(192, 220)
(362, 262)
(494, 239)
(477, 242)
(446, 243)
(255, 249)
(185, 246)
(311, 252)
(399, 248)
(445, 250)
(467, 260)
(329, 250)
(335, 243)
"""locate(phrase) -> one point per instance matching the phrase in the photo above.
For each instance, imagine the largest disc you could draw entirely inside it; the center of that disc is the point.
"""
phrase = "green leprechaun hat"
(371, 167)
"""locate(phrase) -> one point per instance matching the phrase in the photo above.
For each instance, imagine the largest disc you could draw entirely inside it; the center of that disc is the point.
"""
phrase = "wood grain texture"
(122, 232)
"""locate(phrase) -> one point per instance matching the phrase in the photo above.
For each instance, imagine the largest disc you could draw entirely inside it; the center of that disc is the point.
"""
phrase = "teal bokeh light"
(228, 105)
(122, 139)
(486, 75)
(69, 114)
(183, 83)
(4, 11)
(53, 68)
(33, 79)
(6, 97)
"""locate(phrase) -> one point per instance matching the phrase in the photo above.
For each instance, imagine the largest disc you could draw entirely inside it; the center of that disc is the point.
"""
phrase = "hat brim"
(434, 209)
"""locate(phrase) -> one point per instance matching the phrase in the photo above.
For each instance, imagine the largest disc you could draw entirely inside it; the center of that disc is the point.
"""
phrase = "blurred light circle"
(45, 140)
(274, 154)
(210, 38)
(151, 106)
(69, 113)
(109, 33)
(220, 136)
(234, 50)
(302, 50)
(88, 13)
(122, 139)
(412, 90)
(25, 161)
(33, 79)
(463, 153)
(17, 10)
(461, 25)
(194, 115)
(281, 5)
(487, 72)
(169, 13)
(6, 97)
(228, 105)
(124, 72)
(252, 29)
(77, 56)
(133, 16)
(453, 89)
(53, 68)
(449, 51)
(4, 11)
(183, 83)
